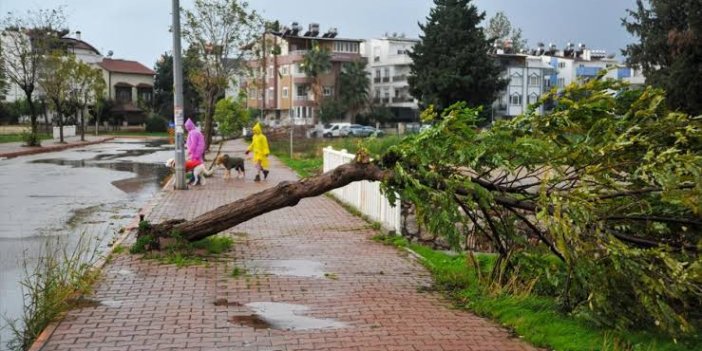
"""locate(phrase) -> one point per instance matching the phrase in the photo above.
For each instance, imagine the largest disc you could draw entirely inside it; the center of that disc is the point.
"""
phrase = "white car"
(334, 130)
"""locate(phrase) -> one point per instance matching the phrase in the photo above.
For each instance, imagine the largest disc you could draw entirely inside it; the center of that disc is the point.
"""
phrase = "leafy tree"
(354, 84)
(331, 109)
(163, 84)
(231, 116)
(218, 29)
(55, 79)
(500, 30)
(451, 63)
(87, 86)
(670, 48)
(27, 40)
(315, 63)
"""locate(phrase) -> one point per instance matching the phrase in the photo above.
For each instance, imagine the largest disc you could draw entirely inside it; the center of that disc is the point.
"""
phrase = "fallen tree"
(608, 182)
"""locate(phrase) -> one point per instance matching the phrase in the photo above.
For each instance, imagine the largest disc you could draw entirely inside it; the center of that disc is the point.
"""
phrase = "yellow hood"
(257, 129)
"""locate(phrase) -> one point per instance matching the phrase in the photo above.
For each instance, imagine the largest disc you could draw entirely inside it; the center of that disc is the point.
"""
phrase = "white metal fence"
(365, 196)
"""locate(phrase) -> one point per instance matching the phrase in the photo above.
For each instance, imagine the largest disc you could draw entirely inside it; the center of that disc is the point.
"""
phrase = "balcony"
(302, 98)
(400, 78)
(401, 99)
(386, 79)
(385, 100)
(376, 80)
(376, 100)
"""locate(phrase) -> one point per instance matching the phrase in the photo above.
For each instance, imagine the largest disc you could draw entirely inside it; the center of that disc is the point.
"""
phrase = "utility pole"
(178, 100)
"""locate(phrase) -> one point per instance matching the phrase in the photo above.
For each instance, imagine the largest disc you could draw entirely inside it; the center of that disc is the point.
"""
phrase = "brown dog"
(229, 163)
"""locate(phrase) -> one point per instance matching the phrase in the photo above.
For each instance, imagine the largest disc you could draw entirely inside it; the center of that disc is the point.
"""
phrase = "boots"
(265, 174)
(258, 178)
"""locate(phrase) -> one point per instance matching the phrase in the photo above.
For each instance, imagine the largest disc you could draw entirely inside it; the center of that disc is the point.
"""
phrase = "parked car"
(334, 130)
(354, 130)
(372, 131)
(424, 127)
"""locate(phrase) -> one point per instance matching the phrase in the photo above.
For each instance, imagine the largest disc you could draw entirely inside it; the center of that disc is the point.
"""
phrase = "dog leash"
(219, 150)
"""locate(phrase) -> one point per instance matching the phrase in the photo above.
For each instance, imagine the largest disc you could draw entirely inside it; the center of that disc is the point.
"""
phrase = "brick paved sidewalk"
(353, 293)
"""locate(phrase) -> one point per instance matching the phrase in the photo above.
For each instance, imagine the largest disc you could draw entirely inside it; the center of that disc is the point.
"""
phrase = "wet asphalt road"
(94, 190)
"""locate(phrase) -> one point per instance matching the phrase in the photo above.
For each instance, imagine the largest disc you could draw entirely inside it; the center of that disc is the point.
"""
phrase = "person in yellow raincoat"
(259, 147)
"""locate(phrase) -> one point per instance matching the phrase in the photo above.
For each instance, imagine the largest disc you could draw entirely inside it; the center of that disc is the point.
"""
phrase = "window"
(302, 90)
(123, 94)
(377, 73)
(327, 91)
(534, 80)
(377, 93)
(145, 95)
(346, 46)
(285, 92)
(561, 82)
(387, 72)
(284, 70)
(561, 65)
(515, 99)
(515, 79)
(533, 98)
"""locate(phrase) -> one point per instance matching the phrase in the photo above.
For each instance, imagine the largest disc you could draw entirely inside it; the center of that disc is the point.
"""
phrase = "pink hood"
(189, 125)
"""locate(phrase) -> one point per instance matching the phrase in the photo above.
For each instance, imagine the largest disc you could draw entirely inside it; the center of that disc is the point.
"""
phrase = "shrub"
(31, 139)
(156, 124)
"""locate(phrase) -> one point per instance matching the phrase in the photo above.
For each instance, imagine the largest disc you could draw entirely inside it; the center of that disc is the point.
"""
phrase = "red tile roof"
(125, 66)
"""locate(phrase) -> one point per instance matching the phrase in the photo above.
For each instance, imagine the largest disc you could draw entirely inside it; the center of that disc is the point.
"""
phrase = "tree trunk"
(209, 115)
(45, 113)
(32, 117)
(60, 122)
(82, 125)
(285, 194)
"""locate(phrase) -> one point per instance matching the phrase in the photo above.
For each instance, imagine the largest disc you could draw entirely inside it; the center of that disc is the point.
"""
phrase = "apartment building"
(527, 76)
(277, 84)
(534, 72)
(389, 68)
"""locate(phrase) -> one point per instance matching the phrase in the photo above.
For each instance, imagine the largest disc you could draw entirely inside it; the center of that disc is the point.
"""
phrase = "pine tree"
(670, 49)
(452, 61)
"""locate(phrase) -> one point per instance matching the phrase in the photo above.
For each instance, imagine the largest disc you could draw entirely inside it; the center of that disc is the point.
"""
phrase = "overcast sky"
(138, 29)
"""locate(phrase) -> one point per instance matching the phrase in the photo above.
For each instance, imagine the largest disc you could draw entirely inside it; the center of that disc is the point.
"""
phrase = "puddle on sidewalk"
(291, 268)
(283, 316)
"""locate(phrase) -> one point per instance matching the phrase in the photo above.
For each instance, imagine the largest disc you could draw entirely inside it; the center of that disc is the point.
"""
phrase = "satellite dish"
(110, 53)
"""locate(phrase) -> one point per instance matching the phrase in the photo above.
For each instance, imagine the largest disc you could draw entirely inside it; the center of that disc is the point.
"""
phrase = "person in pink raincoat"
(195, 144)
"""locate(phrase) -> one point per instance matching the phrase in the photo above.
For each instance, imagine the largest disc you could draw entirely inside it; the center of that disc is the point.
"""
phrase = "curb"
(41, 150)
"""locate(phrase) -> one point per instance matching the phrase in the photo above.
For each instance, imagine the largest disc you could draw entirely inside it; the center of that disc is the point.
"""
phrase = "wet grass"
(538, 319)
(19, 137)
(307, 159)
(53, 284)
(238, 272)
(182, 253)
(139, 134)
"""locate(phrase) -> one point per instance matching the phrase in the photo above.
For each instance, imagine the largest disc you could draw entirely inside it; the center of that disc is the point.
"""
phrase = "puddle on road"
(283, 316)
(291, 268)
(148, 174)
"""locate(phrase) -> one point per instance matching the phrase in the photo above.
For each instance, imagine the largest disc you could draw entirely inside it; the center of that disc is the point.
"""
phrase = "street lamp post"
(178, 100)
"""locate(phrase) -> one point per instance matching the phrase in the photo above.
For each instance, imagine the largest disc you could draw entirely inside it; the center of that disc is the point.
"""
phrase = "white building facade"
(389, 68)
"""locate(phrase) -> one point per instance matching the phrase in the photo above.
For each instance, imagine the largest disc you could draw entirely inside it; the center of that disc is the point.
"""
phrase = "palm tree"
(316, 63)
(354, 85)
